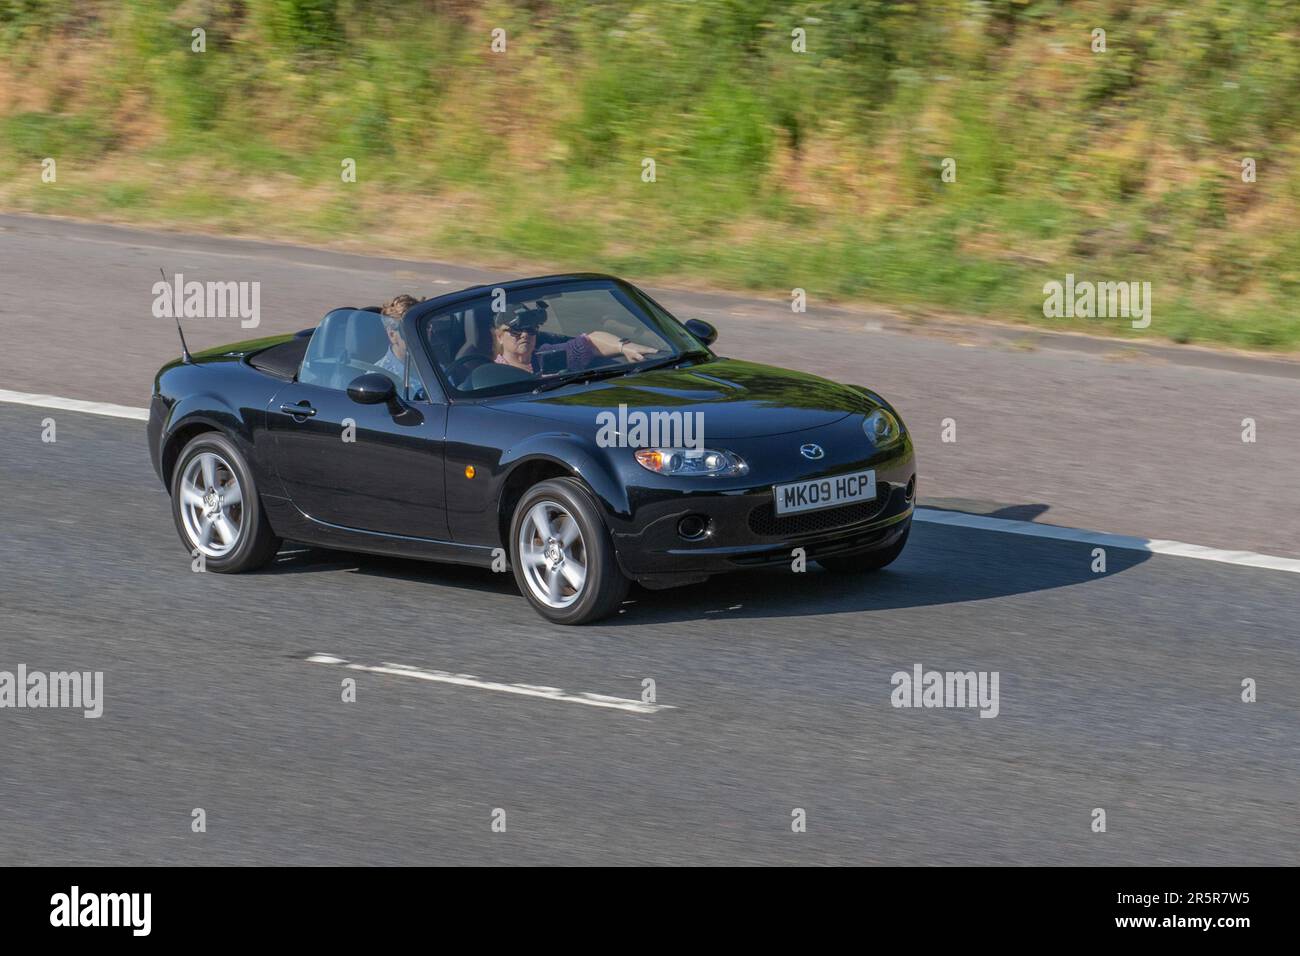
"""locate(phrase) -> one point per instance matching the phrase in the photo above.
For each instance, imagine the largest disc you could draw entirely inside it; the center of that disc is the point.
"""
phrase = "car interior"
(466, 336)
(348, 343)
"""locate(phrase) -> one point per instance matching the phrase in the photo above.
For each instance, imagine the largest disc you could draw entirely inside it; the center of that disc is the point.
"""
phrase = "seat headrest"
(478, 334)
(366, 338)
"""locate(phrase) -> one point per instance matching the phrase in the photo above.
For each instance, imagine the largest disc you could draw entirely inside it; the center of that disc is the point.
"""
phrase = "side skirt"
(291, 524)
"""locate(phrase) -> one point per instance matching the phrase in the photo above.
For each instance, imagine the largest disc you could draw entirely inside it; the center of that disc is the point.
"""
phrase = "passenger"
(516, 343)
(394, 360)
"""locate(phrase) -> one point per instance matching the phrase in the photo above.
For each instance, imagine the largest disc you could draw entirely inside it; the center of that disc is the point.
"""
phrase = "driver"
(516, 343)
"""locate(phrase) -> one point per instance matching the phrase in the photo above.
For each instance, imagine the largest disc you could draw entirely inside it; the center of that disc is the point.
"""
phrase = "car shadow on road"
(943, 564)
(304, 559)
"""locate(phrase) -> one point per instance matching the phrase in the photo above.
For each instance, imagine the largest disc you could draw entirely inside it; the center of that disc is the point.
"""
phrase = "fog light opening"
(911, 487)
(693, 527)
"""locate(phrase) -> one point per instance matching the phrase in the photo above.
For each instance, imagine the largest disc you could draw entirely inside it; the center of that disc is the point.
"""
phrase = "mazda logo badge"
(812, 452)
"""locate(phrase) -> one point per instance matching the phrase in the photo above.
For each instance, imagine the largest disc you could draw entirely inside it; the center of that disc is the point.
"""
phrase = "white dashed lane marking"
(74, 405)
(1177, 549)
(469, 680)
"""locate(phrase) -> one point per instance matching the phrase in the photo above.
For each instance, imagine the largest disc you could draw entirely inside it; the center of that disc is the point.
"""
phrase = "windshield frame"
(641, 306)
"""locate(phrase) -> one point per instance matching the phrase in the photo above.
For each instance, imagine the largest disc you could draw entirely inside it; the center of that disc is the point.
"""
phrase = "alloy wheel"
(212, 504)
(553, 554)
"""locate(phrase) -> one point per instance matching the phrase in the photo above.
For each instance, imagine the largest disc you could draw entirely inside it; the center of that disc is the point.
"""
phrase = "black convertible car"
(568, 428)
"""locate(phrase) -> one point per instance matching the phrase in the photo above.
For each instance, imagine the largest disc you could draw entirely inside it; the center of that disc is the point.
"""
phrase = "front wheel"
(216, 507)
(867, 561)
(562, 555)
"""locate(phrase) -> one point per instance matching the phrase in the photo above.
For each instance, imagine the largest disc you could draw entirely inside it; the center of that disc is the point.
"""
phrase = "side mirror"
(702, 330)
(373, 388)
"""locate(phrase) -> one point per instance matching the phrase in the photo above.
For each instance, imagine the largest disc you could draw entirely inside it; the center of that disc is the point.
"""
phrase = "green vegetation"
(774, 169)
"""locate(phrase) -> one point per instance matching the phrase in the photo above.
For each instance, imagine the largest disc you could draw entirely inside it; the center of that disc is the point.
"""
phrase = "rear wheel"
(562, 555)
(866, 561)
(216, 508)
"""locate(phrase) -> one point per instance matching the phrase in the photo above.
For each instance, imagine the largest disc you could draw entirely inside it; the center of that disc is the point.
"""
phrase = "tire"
(578, 541)
(867, 561)
(232, 536)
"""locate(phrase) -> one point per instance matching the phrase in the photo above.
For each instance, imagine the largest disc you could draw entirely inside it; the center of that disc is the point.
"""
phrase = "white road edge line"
(74, 405)
(469, 680)
(961, 519)
(1178, 549)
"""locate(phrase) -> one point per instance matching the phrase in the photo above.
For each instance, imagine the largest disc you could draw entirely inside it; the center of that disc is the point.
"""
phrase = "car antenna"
(185, 349)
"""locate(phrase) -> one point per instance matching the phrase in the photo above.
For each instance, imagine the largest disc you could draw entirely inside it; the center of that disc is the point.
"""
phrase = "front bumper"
(743, 530)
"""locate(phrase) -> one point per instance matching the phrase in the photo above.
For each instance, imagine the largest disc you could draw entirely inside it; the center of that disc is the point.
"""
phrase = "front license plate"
(825, 492)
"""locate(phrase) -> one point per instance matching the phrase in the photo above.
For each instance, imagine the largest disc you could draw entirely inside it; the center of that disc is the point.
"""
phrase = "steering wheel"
(461, 369)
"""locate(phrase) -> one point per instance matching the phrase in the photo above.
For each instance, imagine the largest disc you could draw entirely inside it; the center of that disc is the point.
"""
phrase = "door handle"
(298, 411)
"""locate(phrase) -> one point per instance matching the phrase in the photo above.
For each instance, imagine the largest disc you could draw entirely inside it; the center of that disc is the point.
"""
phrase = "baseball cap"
(523, 317)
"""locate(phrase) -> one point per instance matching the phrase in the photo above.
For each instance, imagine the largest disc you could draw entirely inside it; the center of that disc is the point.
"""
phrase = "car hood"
(736, 399)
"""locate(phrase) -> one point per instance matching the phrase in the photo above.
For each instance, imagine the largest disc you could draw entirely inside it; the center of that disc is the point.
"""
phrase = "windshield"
(541, 336)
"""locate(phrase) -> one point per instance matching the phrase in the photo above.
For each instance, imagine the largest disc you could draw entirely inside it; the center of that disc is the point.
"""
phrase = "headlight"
(882, 428)
(690, 461)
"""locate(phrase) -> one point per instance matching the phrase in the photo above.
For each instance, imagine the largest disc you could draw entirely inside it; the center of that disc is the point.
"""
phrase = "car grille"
(763, 520)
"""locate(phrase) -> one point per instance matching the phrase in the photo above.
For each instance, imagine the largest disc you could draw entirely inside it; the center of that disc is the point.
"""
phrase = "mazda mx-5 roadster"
(566, 428)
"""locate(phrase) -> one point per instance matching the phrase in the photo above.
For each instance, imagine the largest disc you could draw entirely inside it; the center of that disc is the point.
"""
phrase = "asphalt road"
(1131, 439)
(1118, 691)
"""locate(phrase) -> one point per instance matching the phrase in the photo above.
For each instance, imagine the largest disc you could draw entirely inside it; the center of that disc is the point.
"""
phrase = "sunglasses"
(520, 333)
